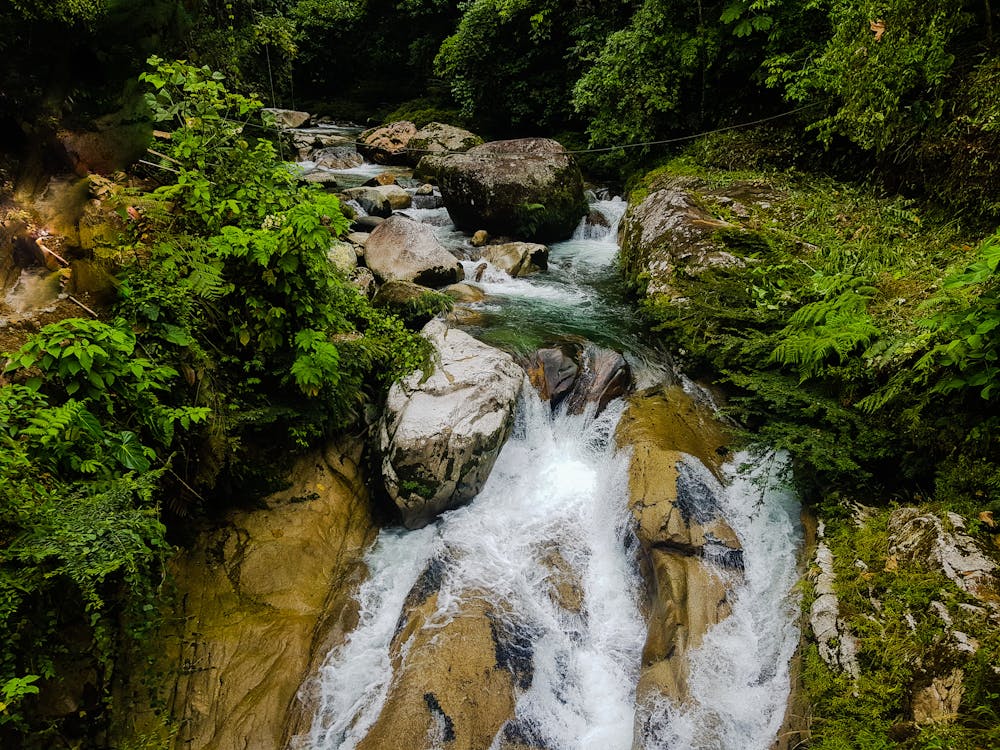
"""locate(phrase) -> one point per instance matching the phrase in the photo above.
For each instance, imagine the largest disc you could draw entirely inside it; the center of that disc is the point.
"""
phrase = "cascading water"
(560, 486)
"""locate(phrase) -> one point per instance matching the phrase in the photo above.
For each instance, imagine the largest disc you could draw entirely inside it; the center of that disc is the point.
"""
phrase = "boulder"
(365, 224)
(397, 197)
(344, 156)
(436, 137)
(669, 235)
(480, 238)
(518, 258)
(425, 189)
(463, 292)
(672, 497)
(363, 280)
(383, 178)
(529, 189)
(428, 167)
(374, 202)
(342, 256)
(604, 375)
(415, 305)
(441, 433)
(553, 372)
(285, 119)
(308, 142)
(404, 249)
(319, 177)
(387, 144)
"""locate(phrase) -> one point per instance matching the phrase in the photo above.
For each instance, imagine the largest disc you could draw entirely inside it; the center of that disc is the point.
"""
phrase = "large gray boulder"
(437, 138)
(530, 189)
(440, 436)
(374, 202)
(403, 249)
(339, 156)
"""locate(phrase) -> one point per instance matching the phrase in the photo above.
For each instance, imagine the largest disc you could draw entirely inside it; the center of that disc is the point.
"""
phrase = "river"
(561, 484)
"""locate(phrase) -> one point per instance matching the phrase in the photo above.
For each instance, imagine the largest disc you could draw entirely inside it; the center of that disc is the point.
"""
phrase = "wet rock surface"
(441, 435)
(686, 545)
(518, 258)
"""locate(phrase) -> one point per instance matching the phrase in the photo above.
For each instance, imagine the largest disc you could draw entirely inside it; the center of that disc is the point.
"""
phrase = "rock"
(675, 450)
(100, 226)
(428, 167)
(387, 144)
(939, 702)
(385, 178)
(668, 234)
(404, 249)
(836, 644)
(372, 200)
(518, 258)
(921, 537)
(480, 238)
(596, 219)
(284, 119)
(261, 599)
(309, 142)
(344, 156)
(358, 239)
(453, 685)
(397, 197)
(604, 375)
(440, 436)
(415, 305)
(436, 137)
(425, 189)
(427, 201)
(364, 281)
(342, 256)
(462, 292)
(319, 177)
(553, 372)
(365, 224)
(113, 144)
(529, 189)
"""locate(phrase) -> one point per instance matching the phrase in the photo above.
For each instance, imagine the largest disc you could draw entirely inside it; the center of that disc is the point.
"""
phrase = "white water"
(739, 679)
(559, 484)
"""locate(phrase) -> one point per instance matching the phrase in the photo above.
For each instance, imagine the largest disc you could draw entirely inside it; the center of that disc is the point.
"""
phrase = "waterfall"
(560, 486)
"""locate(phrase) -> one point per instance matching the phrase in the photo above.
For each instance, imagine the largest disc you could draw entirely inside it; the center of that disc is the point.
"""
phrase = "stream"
(560, 486)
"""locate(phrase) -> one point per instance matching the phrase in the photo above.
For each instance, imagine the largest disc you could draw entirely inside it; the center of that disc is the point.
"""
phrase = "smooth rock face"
(440, 437)
(451, 686)
(397, 197)
(675, 446)
(604, 375)
(262, 598)
(668, 233)
(529, 189)
(284, 118)
(436, 137)
(387, 144)
(463, 292)
(403, 249)
(518, 258)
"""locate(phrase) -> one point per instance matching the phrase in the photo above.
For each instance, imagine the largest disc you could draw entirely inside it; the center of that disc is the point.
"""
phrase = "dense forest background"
(866, 341)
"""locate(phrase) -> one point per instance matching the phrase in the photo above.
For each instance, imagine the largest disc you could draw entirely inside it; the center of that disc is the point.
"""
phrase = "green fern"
(821, 331)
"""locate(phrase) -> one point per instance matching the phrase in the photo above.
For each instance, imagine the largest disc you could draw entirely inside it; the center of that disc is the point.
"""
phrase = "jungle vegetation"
(865, 340)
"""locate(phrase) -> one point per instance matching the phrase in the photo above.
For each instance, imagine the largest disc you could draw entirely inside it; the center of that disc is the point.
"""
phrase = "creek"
(548, 547)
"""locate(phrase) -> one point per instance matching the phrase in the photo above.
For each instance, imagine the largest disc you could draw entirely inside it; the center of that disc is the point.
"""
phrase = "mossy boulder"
(529, 189)
(436, 137)
(415, 305)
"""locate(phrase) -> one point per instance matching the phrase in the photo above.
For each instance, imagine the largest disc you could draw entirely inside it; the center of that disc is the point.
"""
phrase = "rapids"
(560, 484)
